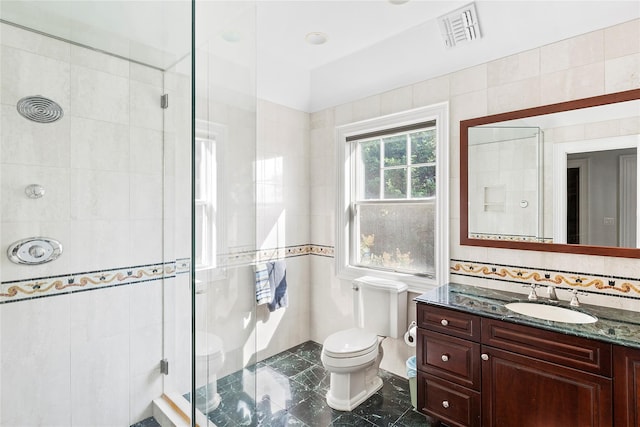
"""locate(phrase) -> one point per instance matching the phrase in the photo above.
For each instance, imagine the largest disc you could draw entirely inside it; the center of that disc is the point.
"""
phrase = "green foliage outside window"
(398, 236)
(397, 165)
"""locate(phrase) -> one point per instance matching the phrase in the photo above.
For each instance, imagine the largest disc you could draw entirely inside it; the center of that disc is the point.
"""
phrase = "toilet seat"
(350, 343)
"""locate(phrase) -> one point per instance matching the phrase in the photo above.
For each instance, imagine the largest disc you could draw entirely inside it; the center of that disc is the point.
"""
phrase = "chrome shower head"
(39, 109)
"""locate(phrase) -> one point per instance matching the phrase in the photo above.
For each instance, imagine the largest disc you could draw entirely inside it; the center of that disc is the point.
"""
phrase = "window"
(205, 203)
(208, 215)
(394, 197)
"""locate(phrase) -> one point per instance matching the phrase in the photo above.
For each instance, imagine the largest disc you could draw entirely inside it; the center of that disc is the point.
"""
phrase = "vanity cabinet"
(448, 363)
(533, 377)
(477, 371)
(626, 373)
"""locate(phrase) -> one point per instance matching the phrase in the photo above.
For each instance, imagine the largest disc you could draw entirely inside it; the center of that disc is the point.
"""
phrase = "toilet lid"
(208, 344)
(350, 343)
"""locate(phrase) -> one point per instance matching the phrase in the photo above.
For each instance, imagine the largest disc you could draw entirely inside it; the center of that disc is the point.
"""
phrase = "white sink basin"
(551, 312)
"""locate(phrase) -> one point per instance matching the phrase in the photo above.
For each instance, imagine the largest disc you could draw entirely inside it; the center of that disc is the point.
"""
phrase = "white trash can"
(412, 373)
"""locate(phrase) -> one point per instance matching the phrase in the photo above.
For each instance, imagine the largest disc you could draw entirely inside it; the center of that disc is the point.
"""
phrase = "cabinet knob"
(484, 356)
(444, 322)
(445, 357)
(445, 403)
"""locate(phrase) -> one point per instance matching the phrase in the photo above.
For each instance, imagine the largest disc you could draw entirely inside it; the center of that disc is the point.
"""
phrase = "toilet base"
(348, 401)
(207, 398)
(349, 389)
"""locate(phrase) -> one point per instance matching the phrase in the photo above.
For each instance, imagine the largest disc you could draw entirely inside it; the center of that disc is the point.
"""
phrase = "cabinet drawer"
(449, 322)
(456, 406)
(450, 358)
(567, 350)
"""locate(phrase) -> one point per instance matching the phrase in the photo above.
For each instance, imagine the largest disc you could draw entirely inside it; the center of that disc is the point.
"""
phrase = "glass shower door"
(224, 211)
(82, 335)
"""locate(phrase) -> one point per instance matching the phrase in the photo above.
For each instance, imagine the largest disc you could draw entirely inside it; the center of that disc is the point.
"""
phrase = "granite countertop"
(616, 326)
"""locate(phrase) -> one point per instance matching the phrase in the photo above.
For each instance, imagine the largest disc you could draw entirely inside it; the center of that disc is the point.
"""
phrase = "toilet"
(209, 356)
(209, 361)
(352, 356)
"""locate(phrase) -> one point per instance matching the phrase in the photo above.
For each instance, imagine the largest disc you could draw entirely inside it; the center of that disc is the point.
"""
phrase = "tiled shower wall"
(280, 224)
(596, 63)
(501, 175)
(283, 178)
(84, 358)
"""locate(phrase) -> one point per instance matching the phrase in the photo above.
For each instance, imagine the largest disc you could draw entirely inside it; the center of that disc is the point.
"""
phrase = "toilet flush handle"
(355, 287)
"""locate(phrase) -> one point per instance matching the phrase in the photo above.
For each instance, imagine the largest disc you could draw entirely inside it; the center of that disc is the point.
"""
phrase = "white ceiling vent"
(460, 26)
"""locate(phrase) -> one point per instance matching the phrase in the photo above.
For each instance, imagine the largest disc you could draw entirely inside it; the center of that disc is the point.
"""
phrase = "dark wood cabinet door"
(450, 403)
(526, 392)
(626, 381)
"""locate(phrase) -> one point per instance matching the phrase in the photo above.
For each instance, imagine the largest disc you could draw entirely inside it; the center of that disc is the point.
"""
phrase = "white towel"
(263, 289)
(278, 285)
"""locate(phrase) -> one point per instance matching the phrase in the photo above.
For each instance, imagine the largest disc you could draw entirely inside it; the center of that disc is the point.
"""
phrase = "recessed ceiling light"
(231, 36)
(316, 38)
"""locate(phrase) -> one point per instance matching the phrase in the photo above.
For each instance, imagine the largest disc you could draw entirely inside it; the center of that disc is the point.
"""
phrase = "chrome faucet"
(551, 293)
(574, 300)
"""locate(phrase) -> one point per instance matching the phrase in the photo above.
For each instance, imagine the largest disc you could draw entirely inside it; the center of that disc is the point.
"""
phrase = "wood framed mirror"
(557, 178)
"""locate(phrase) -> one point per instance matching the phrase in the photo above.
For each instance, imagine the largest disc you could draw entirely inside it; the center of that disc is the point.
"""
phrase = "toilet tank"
(380, 306)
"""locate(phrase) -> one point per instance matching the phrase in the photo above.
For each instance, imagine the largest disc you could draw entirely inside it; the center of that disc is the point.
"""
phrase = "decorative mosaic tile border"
(609, 285)
(17, 290)
(40, 287)
(183, 265)
(510, 238)
(294, 251)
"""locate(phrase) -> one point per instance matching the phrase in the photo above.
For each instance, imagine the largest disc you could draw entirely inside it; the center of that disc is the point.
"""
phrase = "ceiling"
(351, 25)
(373, 45)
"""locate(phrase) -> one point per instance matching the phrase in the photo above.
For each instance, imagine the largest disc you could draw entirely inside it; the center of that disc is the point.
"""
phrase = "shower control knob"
(37, 251)
(34, 191)
(34, 250)
(484, 356)
(445, 403)
(445, 357)
(444, 322)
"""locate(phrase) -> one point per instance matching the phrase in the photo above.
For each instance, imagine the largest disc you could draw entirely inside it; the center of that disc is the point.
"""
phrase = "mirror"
(560, 177)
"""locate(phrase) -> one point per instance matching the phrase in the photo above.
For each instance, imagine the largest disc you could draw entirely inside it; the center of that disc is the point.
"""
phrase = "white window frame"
(345, 155)
(212, 201)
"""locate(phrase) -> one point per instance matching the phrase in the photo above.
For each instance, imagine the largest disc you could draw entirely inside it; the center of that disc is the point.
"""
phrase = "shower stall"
(127, 221)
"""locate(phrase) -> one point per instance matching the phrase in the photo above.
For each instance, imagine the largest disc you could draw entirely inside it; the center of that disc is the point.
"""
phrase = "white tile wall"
(99, 145)
(22, 76)
(16, 206)
(621, 40)
(99, 95)
(572, 53)
(622, 73)
(26, 144)
(573, 83)
(36, 353)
